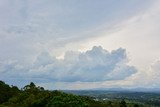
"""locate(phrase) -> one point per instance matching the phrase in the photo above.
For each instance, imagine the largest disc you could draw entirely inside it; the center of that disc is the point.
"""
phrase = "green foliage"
(7, 92)
(35, 96)
(64, 100)
(123, 104)
(136, 105)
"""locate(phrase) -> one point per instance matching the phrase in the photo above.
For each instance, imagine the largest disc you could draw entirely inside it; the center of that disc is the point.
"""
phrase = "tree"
(123, 104)
(136, 105)
(30, 86)
(7, 92)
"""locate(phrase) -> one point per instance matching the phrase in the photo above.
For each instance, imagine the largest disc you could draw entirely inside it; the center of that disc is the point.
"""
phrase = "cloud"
(34, 33)
(138, 35)
(147, 78)
(154, 74)
(94, 65)
(30, 27)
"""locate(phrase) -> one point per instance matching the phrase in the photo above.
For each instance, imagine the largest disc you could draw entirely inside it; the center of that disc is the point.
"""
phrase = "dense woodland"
(36, 96)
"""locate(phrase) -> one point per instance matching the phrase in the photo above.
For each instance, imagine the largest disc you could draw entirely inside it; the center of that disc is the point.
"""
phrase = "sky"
(80, 44)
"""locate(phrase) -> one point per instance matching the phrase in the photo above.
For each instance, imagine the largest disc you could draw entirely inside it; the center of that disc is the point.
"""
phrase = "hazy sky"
(80, 44)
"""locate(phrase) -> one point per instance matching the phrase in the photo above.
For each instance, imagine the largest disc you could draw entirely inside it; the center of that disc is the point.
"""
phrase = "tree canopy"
(36, 96)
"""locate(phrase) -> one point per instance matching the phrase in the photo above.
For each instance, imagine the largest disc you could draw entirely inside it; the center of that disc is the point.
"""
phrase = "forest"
(36, 96)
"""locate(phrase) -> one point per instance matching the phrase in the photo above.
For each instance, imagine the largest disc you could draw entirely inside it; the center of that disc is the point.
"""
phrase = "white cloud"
(91, 66)
(29, 28)
(148, 78)
(139, 35)
(154, 74)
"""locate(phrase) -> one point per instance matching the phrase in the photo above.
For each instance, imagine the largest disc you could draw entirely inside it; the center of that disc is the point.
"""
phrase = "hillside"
(36, 96)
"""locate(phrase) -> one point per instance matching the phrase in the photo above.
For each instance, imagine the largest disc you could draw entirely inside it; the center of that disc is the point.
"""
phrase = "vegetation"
(146, 99)
(36, 96)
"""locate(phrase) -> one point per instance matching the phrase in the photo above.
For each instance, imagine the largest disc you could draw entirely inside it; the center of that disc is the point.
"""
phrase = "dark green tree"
(136, 105)
(7, 92)
(123, 103)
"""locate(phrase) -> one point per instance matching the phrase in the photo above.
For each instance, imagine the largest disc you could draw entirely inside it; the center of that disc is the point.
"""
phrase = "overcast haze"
(80, 44)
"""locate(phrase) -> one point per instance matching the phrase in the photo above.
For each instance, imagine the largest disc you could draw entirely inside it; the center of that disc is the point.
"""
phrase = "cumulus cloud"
(154, 74)
(147, 78)
(30, 27)
(93, 65)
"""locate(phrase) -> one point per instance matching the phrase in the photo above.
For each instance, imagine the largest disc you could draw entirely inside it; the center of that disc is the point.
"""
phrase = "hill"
(36, 96)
